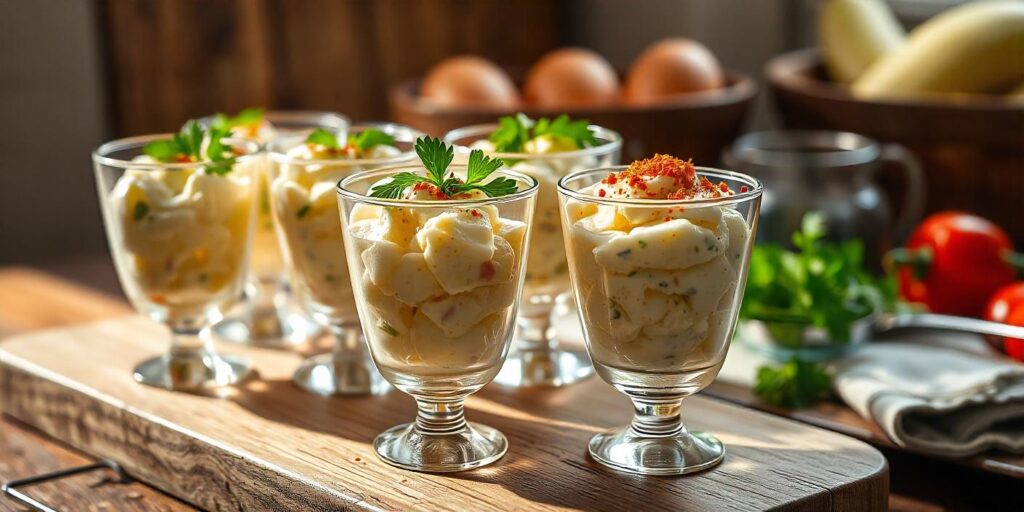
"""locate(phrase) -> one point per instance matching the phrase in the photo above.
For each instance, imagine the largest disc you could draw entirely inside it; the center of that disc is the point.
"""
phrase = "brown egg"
(571, 77)
(672, 67)
(469, 81)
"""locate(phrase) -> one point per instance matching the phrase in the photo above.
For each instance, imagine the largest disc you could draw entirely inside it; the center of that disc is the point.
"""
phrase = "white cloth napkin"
(947, 395)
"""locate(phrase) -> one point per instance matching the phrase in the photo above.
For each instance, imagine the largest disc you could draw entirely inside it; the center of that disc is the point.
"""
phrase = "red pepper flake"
(601, 193)
(474, 213)
(723, 187)
(183, 159)
(432, 189)
(743, 189)
(487, 271)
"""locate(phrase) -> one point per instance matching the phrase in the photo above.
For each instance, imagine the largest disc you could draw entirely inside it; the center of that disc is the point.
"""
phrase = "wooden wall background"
(170, 60)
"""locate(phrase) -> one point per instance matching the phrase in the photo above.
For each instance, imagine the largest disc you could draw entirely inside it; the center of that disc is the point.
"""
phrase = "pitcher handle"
(913, 173)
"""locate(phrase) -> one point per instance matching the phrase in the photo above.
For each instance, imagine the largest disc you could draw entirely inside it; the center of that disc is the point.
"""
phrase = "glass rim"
(407, 132)
(345, 192)
(285, 116)
(755, 189)
(843, 148)
(100, 154)
(613, 138)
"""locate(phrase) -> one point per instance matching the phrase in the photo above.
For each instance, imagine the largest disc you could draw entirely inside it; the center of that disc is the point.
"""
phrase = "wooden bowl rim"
(787, 71)
(739, 88)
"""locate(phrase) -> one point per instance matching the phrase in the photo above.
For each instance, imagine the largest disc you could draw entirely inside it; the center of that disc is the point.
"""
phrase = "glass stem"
(348, 342)
(657, 417)
(439, 417)
(263, 291)
(535, 332)
(187, 339)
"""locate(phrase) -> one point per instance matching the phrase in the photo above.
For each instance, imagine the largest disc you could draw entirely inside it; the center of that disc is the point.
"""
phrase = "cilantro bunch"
(436, 157)
(514, 132)
(362, 141)
(820, 284)
(795, 384)
(187, 146)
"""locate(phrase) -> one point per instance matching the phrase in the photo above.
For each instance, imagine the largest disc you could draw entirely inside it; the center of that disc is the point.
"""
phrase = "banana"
(854, 33)
(971, 49)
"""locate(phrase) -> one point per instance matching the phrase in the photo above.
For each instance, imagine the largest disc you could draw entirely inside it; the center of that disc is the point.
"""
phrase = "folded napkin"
(948, 395)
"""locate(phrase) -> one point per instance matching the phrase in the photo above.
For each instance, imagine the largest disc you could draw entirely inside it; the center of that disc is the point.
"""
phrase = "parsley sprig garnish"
(247, 117)
(362, 141)
(515, 131)
(436, 157)
(187, 146)
(796, 384)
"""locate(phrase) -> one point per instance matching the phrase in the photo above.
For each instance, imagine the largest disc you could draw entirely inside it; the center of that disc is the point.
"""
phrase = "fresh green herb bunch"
(362, 141)
(436, 157)
(187, 146)
(514, 132)
(795, 384)
(820, 284)
(246, 117)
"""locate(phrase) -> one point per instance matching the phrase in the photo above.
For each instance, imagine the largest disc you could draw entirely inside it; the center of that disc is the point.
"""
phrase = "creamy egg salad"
(656, 283)
(185, 229)
(305, 204)
(546, 151)
(438, 283)
(266, 261)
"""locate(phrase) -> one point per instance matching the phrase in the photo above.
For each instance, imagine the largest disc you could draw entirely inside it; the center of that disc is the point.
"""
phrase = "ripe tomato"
(1007, 306)
(954, 262)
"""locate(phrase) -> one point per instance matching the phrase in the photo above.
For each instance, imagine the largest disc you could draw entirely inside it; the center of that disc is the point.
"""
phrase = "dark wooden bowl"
(694, 126)
(972, 149)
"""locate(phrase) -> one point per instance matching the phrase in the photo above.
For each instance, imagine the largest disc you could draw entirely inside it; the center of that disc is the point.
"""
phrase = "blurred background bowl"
(972, 148)
(696, 125)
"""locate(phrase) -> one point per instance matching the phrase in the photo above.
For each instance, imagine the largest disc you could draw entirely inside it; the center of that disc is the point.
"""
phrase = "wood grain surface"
(32, 300)
(273, 447)
(171, 60)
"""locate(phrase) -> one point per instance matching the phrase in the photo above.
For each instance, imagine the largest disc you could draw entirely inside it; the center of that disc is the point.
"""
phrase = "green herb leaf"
(480, 166)
(162, 150)
(821, 284)
(386, 327)
(562, 126)
(794, 385)
(324, 138)
(303, 211)
(140, 211)
(514, 132)
(398, 183)
(436, 157)
(371, 137)
(187, 144)
(247, 117)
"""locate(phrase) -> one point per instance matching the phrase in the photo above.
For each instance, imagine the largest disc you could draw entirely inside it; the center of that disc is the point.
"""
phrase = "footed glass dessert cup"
(437, 284)
(658, 283)
(180, 237)
(269, 317)
(303, 177)
(536, 358)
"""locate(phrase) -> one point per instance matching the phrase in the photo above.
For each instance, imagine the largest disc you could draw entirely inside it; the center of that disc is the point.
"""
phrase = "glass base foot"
(471, 447)
(544, 368)
(199, 372)
(687, 452)
(272, 329)
(325, 374)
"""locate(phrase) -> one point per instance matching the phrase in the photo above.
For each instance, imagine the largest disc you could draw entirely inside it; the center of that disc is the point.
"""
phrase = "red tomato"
(1014, 347)
(954, 262)
(1007, 306)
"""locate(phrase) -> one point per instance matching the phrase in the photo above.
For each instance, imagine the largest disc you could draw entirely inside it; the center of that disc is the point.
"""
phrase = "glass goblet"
(658, 283)
(305, 208)
(180, 239)
(437, 307)
(268, 316)
(537, 359)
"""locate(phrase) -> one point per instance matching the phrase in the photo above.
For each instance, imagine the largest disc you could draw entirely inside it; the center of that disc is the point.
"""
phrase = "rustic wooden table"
(31, 300)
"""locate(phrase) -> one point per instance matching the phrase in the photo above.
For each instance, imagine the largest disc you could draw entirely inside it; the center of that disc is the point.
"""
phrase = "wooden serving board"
(270, 446)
